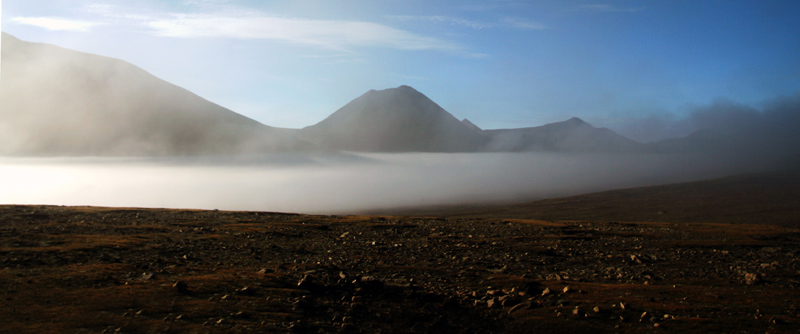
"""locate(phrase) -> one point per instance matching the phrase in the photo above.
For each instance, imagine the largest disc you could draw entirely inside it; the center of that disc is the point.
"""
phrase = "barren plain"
(603, 263)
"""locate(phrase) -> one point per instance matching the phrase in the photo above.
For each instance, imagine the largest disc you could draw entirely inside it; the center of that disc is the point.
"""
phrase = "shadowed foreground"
(89, 269)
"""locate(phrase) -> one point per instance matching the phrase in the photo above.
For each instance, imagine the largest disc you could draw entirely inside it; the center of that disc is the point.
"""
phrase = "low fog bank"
(342, 183)
(771, 124)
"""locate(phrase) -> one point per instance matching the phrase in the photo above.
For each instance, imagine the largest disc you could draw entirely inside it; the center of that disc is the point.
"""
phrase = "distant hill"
(394, 120)
(573, 135)
(56, 101)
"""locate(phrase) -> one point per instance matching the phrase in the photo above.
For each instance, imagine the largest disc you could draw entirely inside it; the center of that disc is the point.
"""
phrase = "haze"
(338, 183)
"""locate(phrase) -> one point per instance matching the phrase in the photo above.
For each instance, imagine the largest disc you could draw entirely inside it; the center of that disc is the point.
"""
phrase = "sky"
(636, 67)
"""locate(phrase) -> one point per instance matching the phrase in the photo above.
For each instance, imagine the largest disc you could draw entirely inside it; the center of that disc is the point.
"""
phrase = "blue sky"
(502, 64)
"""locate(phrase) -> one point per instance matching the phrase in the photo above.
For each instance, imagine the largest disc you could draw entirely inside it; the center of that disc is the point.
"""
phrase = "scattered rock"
(247, 291)
(181, 287)
(491, 303)
(752, 278)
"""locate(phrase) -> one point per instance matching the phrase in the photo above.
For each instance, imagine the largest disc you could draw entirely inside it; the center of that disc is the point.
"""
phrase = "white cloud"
(523, 24)
(517, 23)
(56, 23)
(219, 19)
(443, 19)
(325, 33)
(608, 8)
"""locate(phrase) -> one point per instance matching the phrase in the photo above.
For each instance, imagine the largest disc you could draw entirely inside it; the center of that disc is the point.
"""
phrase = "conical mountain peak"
(575, 121)
(397, 119)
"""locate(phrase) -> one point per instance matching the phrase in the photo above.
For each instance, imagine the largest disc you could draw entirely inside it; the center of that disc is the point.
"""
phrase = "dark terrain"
(130, 270)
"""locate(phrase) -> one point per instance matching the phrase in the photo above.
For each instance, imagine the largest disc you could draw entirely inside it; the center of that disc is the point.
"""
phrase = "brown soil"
(127, 270)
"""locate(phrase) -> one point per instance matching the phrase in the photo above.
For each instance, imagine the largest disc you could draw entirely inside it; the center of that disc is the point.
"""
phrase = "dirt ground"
(119, 270)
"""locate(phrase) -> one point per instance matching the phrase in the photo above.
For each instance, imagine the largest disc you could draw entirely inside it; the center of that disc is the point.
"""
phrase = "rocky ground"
(107, 270)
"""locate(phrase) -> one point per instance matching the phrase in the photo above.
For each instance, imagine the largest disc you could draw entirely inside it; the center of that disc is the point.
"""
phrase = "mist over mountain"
(394, 120)
(573, 135)
(56, 101)
(769, 136)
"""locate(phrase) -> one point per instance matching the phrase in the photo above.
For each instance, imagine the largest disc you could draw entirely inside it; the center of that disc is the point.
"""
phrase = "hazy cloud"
(608, 8)
(524, 24)
(494, 5)
(325, 33)
(725, 115)
(205, 3)
(772, 126)
(511, 22)
(653, 127)
(218, 19)
(56, 23)
(456, 21)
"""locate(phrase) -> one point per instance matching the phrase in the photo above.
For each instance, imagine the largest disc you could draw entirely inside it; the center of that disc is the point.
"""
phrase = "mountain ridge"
(57, 101)
(572, 135)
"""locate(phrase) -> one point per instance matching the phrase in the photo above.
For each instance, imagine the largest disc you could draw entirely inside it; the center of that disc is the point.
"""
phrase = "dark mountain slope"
(394, 120)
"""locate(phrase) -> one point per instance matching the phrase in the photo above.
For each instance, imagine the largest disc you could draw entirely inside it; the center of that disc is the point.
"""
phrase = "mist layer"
(342, 183)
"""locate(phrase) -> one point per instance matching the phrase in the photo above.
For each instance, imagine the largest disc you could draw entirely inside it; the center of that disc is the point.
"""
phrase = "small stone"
(519, 307)
(305, 282)
(596, 309)
(566, 289)
(181, 287)
(546, 292)
(622, 305)
(752, 278)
